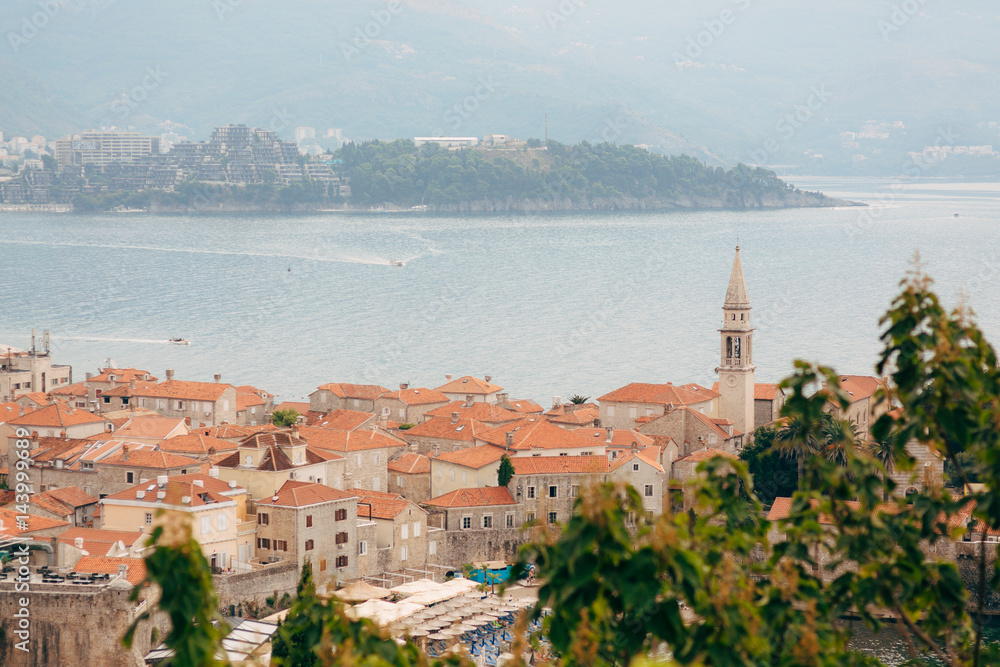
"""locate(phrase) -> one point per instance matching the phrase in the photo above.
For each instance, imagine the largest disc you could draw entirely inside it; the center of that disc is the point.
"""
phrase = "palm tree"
(578, 399)
(839, 438)
(794, 441)
(884, 451)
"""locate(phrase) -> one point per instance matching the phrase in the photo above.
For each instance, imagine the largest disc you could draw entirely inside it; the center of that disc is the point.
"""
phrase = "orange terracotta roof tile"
(244, 401)
(410, 463)
(344, 420)
(39, 398)
(96, 539)
(224, 431)
(620, 437)
(765, 392)
(125, 375)
(56, 415)
(524, 406)
(860, 387)
(660, 394)
(210, 483)
(9, 411)
(150, 428)
(182, 389)
(383, 505)
(473, 457)
(349, 441)
(622, 460)
(197, 444)
(304, 494)
(536, 433)
(135, 574)
(11, 527)
(51, 505)
(76, 389)
(488, 413)
(443, 428)
(145, 458)
(250, 389)
(298, 406)
(469, 385)
(367, 392)
(417, 396)
(175, 491)
(586, 416)
(706, 454)
(557, 465)
(480, 497)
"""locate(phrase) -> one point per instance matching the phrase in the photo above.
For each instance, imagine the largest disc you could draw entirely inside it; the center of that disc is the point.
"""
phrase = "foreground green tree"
(616, 594)
(505, 472)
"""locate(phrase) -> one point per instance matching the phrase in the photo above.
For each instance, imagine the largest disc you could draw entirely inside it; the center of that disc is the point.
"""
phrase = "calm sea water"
(547, 304)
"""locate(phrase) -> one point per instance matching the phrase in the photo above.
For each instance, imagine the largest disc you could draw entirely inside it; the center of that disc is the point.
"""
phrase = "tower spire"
(736, 293)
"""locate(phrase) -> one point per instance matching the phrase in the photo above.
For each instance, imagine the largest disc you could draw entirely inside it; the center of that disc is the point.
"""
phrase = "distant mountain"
(720, 81)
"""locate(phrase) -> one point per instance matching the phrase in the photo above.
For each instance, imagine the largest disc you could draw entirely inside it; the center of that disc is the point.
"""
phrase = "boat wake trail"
(339, 259)
(99, 339)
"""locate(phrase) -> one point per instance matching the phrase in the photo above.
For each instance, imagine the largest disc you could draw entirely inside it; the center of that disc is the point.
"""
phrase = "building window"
(399, 480)
(453, 474)
(322, 565)
(553, 491)
(404, 531)
(487, 521)
(552, 517)
(466, 522)
(529, 517)
(362, 548)
(222, 522)
(341, 561)
(341, 538)
(574, 491)
(509, 519)
(149, 518)
(281, 545)
(180, 405)
(130, 478)
(309, 521)
(107, 399)
(531, 492)
(340, 515)
(309, 545)
(403, 553)
(263, 543)
(262, 518)
(432, 548)
(375, 458)
(357, 460)
(465, 477)
(416, 529)
(635, 467)
(206, 525)
(649, 490)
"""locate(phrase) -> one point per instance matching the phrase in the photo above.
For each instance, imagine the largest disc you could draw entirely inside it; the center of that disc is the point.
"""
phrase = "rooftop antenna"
(32, 341)
(45, 341)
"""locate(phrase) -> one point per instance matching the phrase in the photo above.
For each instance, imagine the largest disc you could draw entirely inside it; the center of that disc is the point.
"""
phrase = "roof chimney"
(502, 398)
(556, 401)
(78, 543)
(510, 440)
(232, 484)
(448, 377)
(131, 383)
(124, 452)
(213, 473)
(488, 378)
(161, 480)
(198, 482)
(87, 376)
(185, 500)
(403, 386)
(139, 495)
(611, 433)
(469, 400)
(454, 417)
(170, 374)
(218, 377)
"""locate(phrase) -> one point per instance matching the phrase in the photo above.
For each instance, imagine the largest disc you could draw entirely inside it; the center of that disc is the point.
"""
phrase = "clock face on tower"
(731, 380)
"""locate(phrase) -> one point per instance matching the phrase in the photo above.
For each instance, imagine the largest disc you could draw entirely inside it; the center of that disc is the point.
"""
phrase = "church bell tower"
(736, 370)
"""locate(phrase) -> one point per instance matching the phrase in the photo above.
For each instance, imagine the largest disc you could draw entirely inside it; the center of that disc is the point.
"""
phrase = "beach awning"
(362, 591)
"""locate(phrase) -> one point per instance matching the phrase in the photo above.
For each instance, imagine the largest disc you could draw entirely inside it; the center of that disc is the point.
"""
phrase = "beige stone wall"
(290, 524)
(99, 618)
(368, 561)
(568, 487)
(367, 468)
(415, 488)
(256, 586)
(403, 413)
(446, 477)
(623, 415)
(645, 476)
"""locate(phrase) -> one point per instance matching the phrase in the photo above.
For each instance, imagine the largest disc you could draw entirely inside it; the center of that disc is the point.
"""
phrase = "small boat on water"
(396, 262)
(179, 341)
